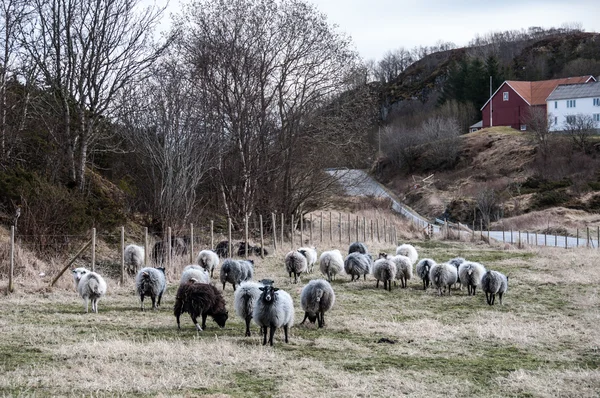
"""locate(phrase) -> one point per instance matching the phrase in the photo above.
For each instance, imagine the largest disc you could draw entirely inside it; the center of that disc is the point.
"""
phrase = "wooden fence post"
(11, 286)
(330, 228)
(321, 227)
(310, 231)
(93, 249)
(274, 222)
(301, 230)
(577, 245)
(340, 227)
(262, 237)
(146, 251)
(372, 236)
(246, 235)
(122, 255)
(169, 246)
(378, 236)
(349, 229)
(282, 227)
(364, 229)
(384, 230)
(212, 235)
(230, 244)
(292, 231)
(192, 243)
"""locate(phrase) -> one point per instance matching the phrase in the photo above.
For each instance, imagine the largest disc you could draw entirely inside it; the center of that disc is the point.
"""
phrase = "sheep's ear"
(275, 289)
(262, 289)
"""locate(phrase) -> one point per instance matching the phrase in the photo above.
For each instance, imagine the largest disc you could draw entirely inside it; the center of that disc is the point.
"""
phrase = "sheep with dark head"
(134, 258)
(295, 264)
(331, 263)
(311, 257)
(357, 264)
(358, 247)
(273, 309)
(492, 283)
(443, 276)
(208, 260)
(152, 282)
(470, 274)
(316, 298)
(423, 268)
(90, 286)
(245, 298)
(200, 299)
(384, 270)
(236, 272)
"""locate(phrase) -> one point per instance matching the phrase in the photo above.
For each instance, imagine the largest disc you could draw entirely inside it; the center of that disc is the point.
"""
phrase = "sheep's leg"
(272, 333)
(204, 321)
(264, 332)
(178, 325)
(377, 285)
(95, 305)
(500, 297)
(295, 277)
(211, 272)
(449, 293)
(321, 319)
(196, 323)
(305, 317)
(234, 287)
(86, 305)
(142, 302)
(285, 333)
(248, 318)
(153, 302)
(159, 297)
(364, 276)
(224, 285)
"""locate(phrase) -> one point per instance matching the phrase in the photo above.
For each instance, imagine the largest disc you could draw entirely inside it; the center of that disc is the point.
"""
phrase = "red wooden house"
(509, 105)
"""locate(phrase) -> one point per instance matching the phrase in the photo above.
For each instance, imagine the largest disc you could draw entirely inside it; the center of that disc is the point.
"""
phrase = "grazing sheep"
(236, 272)
(194, 272)
(159, 251)
(256, 250)
(423, 268)
(208, 260)
(408, 251)
(311, 257)
(404, 269)
(316, 298)
(273, 309)
(295, 263)
(222, 249)
(443, 276)
(384, 270)
(152, 282)
(358, 247)
(492, 283)
(90, 286)
(245, 298)
(357, 264)
(134, 258)
(331, 263)
(200, 299)
(470, 274)
(457, 261)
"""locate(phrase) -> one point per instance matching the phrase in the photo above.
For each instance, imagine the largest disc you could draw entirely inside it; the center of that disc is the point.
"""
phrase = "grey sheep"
(90, 286)
(492, 283)
(357, 264)
(443, 276)
(152, 282)
(245, 298)
(404, 268)
(296, 264)
(358, 247)
(194, 273)
(134, 258)
(408, 251)
(457, 261)
(384, 270)
(331, 263)
(311, 257)
(236, 271)
(470, 274)
(273, 309)
(423, 268)
(208, 260)
(316, 298)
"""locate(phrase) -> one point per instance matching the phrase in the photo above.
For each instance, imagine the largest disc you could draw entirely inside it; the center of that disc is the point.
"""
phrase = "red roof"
(535, 93)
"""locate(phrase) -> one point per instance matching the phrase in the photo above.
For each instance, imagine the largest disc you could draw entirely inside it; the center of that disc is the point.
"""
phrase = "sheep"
(311, 257)
(159, 251)
(457, 261)
(492, 283)
(384, 270)
(273, 309)
(408, 251)
(358, 247)
(200, 299)
(252, 249)
(236, 272)
(357, 264)
(152, 282)
(442, 276)
(295, 263)
(89, 285)
(134, 258)
(316, 298)
(404, 270)
(331, 263)
(208, 260)
(194, 273)
(470, 274)
(423, 268)
(222, 249)
(245, 298)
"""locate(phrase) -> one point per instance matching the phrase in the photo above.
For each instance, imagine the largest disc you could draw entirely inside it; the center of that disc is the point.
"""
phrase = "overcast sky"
(377, 26)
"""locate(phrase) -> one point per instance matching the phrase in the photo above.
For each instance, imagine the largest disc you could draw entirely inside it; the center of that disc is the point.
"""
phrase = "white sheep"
(457, 261)
(134, 258)
(408, 251)
(423, 268)
(196, 273)
(470, 274)
(331, 263)
(296, 264)
(152, 282)
(384, 270)
(273, 309)
(316, 298)
(443, 276)
(245, 298)
(311, 257)
(208, 260)
(492, 283)
(90, 286)
(404, 268)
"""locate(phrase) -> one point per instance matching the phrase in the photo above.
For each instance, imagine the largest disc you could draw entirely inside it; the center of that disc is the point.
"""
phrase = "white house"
(569, 100)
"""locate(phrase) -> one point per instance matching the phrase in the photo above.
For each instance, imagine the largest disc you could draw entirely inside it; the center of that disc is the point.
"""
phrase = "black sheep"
(200, 299)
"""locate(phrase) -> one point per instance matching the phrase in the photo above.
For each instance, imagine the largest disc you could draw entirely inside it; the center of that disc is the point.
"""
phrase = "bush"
(542, 200)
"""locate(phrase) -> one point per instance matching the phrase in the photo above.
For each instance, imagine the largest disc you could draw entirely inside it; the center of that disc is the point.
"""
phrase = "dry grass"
(542, 343)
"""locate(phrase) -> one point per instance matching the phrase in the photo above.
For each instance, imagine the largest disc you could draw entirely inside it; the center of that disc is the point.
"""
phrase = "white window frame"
(570, 118)
(571, 103)
(596, 101)
(555, 120)
(596, 117)
(505, 96)
(555, 104)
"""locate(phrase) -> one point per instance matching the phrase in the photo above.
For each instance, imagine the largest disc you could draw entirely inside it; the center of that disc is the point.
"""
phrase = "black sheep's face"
(221, 318)
(268, 294)
(312, 318)
(383, 255)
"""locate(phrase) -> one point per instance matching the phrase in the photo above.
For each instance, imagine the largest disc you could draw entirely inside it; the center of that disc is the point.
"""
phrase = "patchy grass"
(542, 343)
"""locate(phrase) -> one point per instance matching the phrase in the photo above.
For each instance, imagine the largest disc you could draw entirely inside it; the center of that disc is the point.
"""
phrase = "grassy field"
(544, 341)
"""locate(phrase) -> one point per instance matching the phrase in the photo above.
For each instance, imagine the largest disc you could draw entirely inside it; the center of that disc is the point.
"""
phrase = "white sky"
(377, 26)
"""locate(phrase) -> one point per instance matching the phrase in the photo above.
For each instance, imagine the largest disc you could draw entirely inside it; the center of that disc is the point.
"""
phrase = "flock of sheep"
(271, 307)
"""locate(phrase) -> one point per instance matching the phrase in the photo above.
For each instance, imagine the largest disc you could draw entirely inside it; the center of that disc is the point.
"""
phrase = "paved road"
(359, 183)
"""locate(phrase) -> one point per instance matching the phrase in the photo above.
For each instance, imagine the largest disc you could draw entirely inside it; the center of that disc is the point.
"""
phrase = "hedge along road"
(358, 183)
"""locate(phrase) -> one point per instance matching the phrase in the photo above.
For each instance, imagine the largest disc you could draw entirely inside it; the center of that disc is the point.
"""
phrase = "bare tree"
(87, 52)
(392, 64)
(538, 123)
(487, 202)
(580, 128)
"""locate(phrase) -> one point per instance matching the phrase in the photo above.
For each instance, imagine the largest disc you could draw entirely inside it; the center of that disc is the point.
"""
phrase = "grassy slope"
(542, 342)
